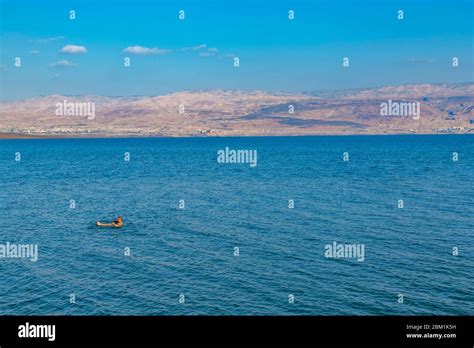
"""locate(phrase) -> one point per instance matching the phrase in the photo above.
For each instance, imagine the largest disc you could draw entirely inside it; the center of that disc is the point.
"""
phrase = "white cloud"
(63, 64)
(145, 50)
(34, 52)
(196, 48)
(203, 49)
(73, 49)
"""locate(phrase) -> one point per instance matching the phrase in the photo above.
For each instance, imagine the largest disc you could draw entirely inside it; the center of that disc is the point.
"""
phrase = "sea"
(206, 237)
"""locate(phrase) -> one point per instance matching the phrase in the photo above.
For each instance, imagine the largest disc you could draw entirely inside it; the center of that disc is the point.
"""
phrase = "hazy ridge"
(443, 108)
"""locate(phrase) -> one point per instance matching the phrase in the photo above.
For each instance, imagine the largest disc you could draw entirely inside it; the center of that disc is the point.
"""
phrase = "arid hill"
(442, 108)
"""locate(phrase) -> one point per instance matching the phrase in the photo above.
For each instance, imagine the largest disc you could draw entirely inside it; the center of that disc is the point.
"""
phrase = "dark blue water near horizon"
(190, 251)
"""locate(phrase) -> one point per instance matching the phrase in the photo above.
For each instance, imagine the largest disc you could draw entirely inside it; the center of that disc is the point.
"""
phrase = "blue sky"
(275, 53)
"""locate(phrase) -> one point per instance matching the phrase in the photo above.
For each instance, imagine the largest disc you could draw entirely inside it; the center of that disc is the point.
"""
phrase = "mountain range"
(442, 108)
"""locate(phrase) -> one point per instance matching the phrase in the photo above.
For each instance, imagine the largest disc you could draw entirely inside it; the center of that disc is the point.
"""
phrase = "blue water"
(191, 251)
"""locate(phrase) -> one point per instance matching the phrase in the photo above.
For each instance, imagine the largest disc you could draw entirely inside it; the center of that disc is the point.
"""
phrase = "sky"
(85, 56)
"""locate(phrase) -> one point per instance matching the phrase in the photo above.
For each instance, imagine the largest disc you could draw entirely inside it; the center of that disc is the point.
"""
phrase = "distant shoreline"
(4, 136)
(447, 109)
(13, 136)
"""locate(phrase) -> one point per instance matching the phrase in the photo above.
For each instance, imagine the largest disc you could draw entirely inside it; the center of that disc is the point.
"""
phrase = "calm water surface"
(191, 250)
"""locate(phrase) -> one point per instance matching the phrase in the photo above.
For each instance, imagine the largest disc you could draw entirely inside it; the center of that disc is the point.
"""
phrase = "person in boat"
(117, 223)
